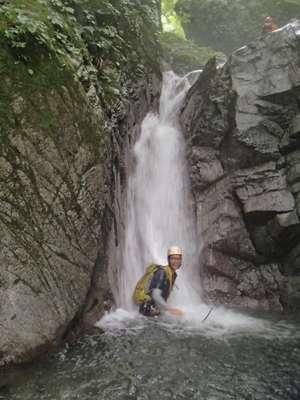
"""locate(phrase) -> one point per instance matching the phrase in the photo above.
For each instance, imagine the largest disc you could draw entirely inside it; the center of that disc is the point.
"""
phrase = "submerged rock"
(241, 122)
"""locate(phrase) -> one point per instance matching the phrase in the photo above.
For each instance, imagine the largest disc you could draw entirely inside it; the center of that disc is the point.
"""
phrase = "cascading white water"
(170, 358)
(158, 214)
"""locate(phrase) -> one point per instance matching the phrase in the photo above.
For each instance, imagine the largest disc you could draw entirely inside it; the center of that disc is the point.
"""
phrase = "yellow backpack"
(139, 294)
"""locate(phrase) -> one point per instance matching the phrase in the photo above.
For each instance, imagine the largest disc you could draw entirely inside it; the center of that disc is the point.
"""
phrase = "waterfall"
(158, 199)
(159, 215)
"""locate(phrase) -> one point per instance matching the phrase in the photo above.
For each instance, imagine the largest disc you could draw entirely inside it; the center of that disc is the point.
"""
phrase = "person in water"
(159, 286)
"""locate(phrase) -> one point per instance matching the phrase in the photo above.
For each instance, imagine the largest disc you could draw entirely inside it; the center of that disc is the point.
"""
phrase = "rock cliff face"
(242, 125)
(72, 88)
(77, 79)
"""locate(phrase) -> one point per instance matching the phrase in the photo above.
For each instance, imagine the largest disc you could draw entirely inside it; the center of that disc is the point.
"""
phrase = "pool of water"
(234, 357)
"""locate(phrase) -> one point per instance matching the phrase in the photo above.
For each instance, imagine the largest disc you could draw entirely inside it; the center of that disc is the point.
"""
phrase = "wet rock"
(205, 166)
(241, 122)
(107, 15)
(290, 294)
(279, 201)
(265, 244)
(64, 142)
(285, 229)
(291, 263)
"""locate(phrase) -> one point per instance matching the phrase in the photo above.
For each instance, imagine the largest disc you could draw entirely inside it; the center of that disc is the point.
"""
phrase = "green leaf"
(69, 10)
(21, 45)
(89, 28)
(30, 71)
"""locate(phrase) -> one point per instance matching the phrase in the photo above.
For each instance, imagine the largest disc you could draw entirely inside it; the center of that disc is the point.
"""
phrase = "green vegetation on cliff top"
(39, 50)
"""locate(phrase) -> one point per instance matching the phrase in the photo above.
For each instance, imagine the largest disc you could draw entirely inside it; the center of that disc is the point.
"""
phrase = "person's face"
(175, 262)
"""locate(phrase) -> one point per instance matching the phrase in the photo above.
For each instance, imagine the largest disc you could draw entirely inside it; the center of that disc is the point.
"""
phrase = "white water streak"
(158, 214)
(221, 324)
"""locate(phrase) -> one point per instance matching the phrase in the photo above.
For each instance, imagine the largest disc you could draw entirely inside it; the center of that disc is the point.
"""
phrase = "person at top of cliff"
(269, 26)
(154, 288)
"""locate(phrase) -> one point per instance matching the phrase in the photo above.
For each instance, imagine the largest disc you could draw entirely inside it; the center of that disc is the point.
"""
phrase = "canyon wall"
(242, 124)
(77, 80)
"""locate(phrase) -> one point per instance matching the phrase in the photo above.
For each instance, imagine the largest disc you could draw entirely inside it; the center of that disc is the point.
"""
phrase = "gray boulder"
(241, 123)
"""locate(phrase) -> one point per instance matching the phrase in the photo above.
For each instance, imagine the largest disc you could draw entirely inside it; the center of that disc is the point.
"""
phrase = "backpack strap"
(169, 275)
(151, 271)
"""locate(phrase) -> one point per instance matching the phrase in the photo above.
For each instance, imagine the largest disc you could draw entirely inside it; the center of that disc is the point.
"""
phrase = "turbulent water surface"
(159, 214)
(228, 356)
(210, 353)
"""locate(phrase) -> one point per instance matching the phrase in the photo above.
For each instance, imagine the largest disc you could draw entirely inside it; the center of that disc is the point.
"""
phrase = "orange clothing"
(274, 27)
(268, 27)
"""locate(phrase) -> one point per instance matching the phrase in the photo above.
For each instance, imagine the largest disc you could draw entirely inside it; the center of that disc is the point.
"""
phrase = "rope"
(288, 56)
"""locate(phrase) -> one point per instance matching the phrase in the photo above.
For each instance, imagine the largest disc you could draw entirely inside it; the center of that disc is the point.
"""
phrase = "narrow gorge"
(78, 79)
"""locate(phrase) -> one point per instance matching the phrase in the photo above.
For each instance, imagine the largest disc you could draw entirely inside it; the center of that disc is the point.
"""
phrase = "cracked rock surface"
(241, 123)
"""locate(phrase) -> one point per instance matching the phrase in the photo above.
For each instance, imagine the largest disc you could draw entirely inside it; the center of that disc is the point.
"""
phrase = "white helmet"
(174, 250)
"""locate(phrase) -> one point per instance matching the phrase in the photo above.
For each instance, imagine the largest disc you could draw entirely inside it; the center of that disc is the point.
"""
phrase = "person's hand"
(175, 311)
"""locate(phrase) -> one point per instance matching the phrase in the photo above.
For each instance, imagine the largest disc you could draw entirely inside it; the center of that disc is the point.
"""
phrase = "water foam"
(199, 320)
(158, 213)
(158, 216)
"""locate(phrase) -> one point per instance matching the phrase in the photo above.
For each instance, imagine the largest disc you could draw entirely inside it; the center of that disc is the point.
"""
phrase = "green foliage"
(19, 25)
(28, 24)
(100, 38)
(226, 25)
(170, 20)
(184, 55)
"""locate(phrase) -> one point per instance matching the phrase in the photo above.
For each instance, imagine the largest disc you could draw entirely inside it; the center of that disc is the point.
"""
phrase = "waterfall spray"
(159, 216)
(158, 213)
